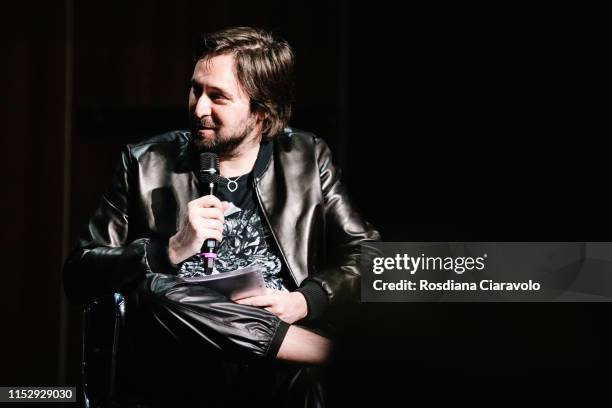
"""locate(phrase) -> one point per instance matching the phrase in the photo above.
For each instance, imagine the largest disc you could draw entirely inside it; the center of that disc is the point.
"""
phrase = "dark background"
(450, 123)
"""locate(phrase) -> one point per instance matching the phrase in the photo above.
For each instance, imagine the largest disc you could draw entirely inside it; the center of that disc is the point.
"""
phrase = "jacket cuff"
(316, 299)
(158, 258)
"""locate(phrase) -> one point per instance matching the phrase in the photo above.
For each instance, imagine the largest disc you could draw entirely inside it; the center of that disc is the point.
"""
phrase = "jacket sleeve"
(105, 260)
(349, 237)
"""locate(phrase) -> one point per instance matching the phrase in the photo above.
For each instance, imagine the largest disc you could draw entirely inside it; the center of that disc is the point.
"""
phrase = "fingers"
(213, 224)
(203, 220)
(270, 298)
(206, 223)
(278, 303)
(208, 207)
(209, 201)
(259, 301)
(211, 214)
(207, 233)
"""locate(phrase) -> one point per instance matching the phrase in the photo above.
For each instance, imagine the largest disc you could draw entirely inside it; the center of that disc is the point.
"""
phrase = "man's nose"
(203, 106)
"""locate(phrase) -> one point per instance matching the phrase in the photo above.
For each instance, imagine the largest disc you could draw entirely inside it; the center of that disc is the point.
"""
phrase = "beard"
(225, 145)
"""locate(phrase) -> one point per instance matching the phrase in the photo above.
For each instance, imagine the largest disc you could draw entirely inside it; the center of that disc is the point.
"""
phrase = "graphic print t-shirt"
(247, 239)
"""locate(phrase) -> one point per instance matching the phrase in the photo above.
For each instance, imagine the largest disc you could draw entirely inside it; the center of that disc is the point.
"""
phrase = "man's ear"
(261, 117)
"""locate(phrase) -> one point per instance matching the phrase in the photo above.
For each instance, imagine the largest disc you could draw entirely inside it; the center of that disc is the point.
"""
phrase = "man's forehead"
(217, 71)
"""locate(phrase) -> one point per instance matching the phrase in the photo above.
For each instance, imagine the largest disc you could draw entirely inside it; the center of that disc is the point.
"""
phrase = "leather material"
(320, 235)
(198, 315)
(300, 192)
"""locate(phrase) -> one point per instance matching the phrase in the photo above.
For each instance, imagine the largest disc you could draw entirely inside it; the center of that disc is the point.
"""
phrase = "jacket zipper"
(280, 248)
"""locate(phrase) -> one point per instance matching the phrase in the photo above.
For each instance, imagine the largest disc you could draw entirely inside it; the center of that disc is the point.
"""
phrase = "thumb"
(225, 205)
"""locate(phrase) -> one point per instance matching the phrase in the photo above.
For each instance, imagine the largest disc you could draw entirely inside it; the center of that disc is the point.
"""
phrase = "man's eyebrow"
(218, 89)
(213, 87)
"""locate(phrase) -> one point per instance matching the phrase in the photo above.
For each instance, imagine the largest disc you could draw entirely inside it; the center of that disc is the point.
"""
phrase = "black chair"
(104, 321)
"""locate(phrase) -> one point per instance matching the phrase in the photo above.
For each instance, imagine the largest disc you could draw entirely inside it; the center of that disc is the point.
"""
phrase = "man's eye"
(217, 96)
(196, 90)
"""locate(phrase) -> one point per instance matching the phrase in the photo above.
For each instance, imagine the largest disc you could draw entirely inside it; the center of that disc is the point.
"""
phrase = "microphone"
(209, 177)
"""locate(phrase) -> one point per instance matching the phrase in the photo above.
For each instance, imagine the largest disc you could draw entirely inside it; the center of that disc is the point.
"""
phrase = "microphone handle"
(208, 252)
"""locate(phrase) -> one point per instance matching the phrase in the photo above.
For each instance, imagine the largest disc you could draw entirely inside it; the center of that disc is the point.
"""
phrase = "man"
(280, 205)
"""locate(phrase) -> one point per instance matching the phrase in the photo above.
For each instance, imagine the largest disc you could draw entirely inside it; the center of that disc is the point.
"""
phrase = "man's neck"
(243, 159)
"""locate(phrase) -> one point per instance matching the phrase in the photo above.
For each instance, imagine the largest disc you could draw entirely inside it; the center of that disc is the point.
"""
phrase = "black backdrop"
(450, 123)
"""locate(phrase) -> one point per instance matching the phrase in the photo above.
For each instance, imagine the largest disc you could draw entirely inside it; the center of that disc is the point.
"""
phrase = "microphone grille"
(209, 168)
(206, 178)
(209, 161)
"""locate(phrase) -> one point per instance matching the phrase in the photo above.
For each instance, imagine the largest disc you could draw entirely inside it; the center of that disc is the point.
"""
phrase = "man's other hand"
(288, 306)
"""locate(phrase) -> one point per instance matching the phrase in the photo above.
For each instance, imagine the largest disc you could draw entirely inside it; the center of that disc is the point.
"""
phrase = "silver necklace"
(232, 185)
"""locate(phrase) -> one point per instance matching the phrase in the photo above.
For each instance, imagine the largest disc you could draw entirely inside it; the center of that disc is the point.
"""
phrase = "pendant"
(232, 185)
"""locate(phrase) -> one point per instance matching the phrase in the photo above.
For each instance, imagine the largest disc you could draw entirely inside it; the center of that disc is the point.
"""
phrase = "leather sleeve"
(348, 236)
(105, 260)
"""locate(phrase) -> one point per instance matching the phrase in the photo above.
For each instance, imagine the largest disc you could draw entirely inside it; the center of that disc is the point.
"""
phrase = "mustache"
(205, 122)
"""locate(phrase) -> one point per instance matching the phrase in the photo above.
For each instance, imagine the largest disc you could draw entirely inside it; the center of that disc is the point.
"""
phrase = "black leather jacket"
(320, 234)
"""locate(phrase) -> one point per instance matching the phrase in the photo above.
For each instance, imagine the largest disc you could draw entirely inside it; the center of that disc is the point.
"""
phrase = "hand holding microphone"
(202, 228)
(203, 220)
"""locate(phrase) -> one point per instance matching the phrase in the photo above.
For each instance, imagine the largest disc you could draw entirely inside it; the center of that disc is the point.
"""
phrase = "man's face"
(220, 113)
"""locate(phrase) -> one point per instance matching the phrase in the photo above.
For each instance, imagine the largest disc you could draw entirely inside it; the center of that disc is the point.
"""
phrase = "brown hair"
(264, 68)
